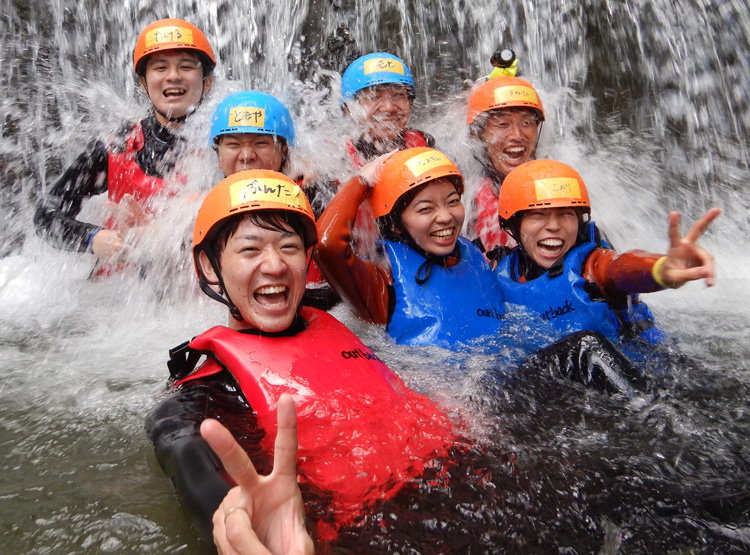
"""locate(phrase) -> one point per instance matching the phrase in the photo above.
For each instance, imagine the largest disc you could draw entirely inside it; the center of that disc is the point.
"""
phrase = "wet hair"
(272, 220)
(206, 64)
(392, 220)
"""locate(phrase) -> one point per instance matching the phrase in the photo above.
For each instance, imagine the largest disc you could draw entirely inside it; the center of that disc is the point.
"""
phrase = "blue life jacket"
(454, 305)
(565, 299)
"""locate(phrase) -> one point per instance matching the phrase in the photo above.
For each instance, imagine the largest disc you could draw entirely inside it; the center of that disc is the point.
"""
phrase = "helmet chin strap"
(170, 119)
(423, 272)
(206, 288)
(538, 136)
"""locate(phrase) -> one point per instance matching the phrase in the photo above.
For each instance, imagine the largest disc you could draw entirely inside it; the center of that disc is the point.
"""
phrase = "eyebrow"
(184, 57)
(446, 197)
(249, 237)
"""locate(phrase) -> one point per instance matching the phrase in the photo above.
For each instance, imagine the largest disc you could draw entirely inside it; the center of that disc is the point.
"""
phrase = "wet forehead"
(245, 137)
(385, 88)
(173, 56)
(515, 113)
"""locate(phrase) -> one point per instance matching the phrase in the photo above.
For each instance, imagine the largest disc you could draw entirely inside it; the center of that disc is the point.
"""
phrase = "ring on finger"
(230, 511)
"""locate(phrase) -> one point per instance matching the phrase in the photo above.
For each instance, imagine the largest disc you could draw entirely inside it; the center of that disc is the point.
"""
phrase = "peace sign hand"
(263, 514)
(686, 260)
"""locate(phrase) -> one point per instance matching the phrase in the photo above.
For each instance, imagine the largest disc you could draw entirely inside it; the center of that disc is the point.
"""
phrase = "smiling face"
(382, 110)
(548, 234)
(250, 151)
(174, 83)
(510, 137)
(264, 273)
(434, 217)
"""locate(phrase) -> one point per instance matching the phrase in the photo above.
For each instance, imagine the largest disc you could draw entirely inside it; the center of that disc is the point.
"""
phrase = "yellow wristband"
(656, 273)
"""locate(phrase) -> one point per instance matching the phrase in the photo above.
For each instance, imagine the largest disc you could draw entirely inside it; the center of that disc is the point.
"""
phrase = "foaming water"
(648, 100)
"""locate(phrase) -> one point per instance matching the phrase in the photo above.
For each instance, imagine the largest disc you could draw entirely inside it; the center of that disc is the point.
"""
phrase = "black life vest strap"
(182, 360)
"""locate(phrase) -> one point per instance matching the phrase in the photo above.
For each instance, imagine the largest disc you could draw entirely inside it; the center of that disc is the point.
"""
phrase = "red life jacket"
(487, 225)
(412, 138)
(125, 176)
(362, 433)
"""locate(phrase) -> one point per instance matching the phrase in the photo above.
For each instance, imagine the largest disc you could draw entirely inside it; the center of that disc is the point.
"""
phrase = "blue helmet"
(252, 112)
(374, 69)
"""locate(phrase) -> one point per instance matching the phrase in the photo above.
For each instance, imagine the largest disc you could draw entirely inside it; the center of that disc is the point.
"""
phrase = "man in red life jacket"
(251, 239)
(377, 92)
(505, 115)
(174, 62)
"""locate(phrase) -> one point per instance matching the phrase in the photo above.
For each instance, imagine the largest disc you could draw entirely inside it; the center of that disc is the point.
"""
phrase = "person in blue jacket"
(564, 275)
(416, 198)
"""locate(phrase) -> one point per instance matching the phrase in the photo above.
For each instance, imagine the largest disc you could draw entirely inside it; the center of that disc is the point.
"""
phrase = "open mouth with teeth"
(174, 92)
(515, 153)
(272, 296)
(550, 248)
(444, 235)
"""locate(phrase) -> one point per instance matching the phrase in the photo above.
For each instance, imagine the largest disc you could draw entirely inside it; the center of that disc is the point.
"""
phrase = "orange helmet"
(247, 191)
(171, 34)
(408, 169)
(541, 184)
(503, 92)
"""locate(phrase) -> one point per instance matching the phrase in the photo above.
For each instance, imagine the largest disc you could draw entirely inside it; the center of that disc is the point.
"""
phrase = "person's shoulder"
(416, 137)
(117, 139)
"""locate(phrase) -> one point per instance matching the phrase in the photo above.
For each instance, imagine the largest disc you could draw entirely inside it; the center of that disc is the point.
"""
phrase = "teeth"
(271, 290)
(173, 91)
(443, 233)
(515, 152)
(551, 243)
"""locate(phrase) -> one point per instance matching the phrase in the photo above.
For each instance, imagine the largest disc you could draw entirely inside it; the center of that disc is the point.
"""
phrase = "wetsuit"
(319, 294)
(591, 288)
(362, 433)
(145, 150)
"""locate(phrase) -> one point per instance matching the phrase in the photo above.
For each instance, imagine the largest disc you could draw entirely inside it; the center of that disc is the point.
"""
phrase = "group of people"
(266, 245)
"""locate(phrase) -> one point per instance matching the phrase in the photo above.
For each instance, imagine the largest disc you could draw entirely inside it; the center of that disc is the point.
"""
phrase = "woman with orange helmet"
(563, 273)
(251, 241)
(505, 117)
(436, 288)
(173, 61)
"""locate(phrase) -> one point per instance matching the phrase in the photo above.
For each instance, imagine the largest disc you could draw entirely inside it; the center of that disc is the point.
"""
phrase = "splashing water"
(647, 99)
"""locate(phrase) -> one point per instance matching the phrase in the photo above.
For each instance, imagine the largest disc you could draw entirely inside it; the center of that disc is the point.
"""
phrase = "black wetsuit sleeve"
(184, 456)
(55, 216)
(591, 359)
